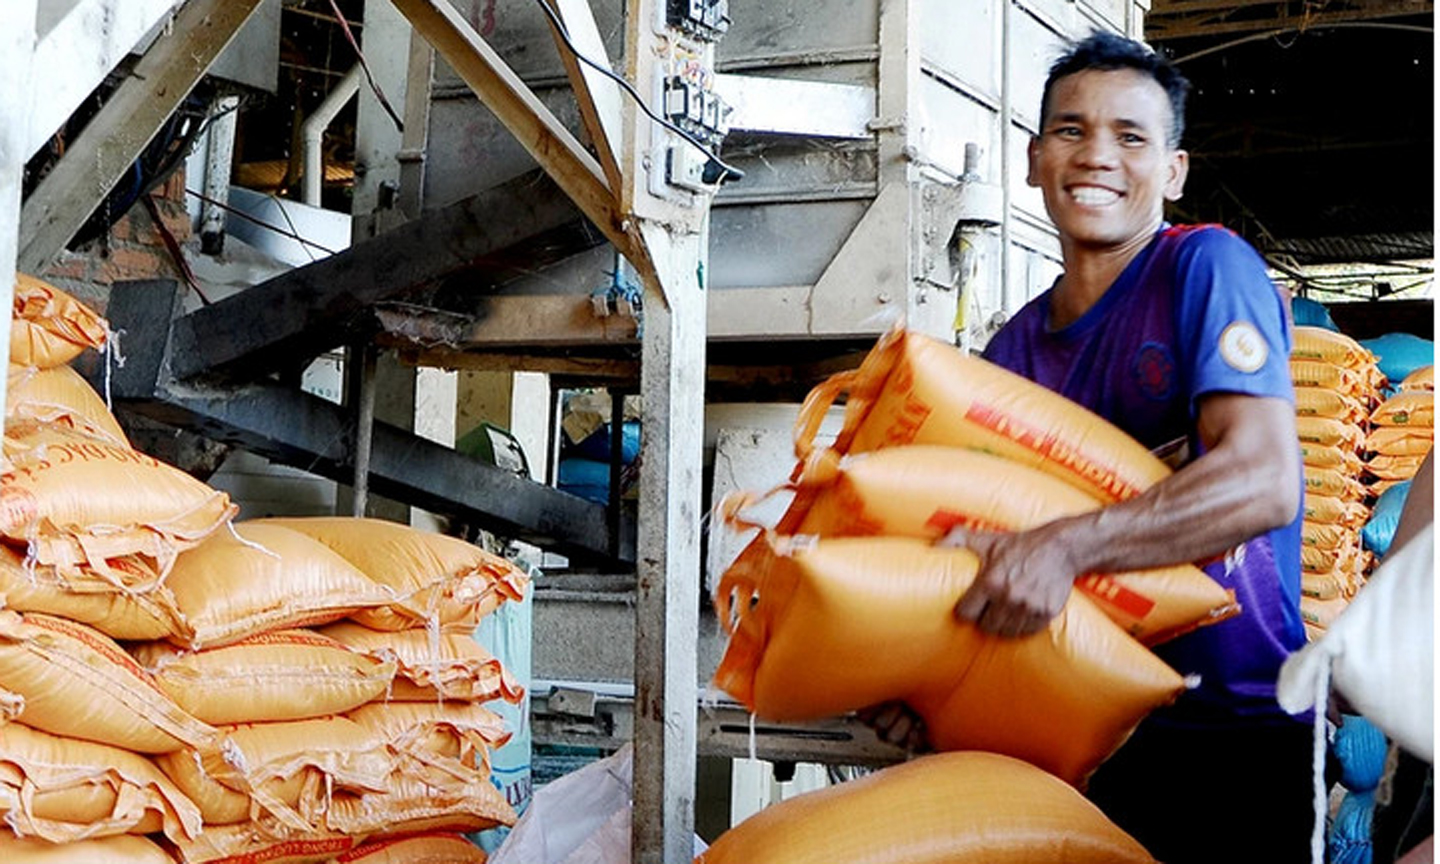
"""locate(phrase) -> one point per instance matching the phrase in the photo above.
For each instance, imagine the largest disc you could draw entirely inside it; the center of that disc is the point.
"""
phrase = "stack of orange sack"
(1337, 385)
(1402, 431)
(847, 602)
(176, 686)
(89, 531)
(334, 657)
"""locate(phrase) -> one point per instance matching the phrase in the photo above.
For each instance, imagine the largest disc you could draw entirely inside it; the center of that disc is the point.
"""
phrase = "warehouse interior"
(404, 260)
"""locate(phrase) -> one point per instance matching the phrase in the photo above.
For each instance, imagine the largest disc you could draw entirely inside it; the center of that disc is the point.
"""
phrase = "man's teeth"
(1091, 196)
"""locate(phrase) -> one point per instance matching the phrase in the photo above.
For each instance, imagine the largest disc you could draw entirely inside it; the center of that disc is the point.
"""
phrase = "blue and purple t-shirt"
(1194, 313)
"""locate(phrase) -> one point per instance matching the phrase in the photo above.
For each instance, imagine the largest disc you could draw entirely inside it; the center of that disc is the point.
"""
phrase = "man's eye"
(1131, 138)
(1066, 131)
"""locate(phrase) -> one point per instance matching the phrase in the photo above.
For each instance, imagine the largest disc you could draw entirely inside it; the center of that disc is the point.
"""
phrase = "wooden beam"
(1179, 27)
(112, 140)
(521, 111)
(301, 313)
(598, 96)
(77, 50)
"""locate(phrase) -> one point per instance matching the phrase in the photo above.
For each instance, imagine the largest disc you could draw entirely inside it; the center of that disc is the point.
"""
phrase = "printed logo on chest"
(1154, 371)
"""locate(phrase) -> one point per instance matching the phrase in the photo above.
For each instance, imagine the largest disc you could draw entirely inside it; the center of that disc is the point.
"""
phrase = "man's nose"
(1098, 151)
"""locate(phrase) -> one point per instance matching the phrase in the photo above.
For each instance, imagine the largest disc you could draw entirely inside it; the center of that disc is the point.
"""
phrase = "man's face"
(1101, 159)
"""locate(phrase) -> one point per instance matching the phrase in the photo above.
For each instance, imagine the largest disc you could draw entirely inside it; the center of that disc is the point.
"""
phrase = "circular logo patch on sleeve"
(1242, 347)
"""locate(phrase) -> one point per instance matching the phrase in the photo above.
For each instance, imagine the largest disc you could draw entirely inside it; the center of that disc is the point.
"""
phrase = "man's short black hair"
(1106, 52)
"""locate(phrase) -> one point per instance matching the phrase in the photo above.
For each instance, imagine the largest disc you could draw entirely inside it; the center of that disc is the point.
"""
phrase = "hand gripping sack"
(265, 577)
(281, 675)
(821, 628)
(60, 395)
(924, 490)
(280, 774)
(64, 789)
(912, 389)
(80, 500)
(104, 850)
(125, 603)
(77, 682)
(49, 327)
(431, 667)
(946, 808)
(429, 848)
(434, 578)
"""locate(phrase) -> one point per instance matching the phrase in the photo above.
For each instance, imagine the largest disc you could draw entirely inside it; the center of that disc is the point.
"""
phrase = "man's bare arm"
(1247, 483)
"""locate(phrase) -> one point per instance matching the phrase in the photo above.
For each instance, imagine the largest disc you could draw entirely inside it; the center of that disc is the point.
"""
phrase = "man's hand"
(1023, 581)
(896, 723)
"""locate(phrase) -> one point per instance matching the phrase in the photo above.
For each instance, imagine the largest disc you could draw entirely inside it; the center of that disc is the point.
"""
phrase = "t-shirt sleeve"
(1231, 320)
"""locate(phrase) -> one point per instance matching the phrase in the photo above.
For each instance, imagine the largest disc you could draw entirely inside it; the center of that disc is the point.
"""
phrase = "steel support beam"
(522, 112)
(110, 143)
(299, 314)
(294, 428)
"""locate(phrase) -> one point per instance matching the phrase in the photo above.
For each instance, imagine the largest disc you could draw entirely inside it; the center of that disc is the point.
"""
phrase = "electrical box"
(703, 19)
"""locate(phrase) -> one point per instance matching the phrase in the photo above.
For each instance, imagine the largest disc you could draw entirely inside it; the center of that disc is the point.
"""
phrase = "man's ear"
(1178, 170)
(1032, 175)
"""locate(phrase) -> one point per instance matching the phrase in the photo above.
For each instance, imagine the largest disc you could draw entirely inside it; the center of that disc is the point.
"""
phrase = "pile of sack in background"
(847, 603)
(178, 686)
(1365, 420)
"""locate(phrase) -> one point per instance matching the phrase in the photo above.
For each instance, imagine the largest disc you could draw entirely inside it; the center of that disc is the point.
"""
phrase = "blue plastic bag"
(1308, 313)
(1380, 528)
(1400, 354)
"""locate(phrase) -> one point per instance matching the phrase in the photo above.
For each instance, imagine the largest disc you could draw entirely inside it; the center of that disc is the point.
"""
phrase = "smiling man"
(1178, 336)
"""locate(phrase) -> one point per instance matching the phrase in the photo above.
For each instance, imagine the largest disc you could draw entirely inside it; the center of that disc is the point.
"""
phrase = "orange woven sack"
(1326, 535)
(1327, 346)
(912, 389)
(1336, 458)
(280, 773)
(1321, 613)
(1329, 432)
(946, 808)
(265, 577)
(249, 843)
(1421, 379)
(431, 848)
(1400, 440)
(430, 667)
(78, 683)
(1394, 467)
(1333, 484)
(63, 789)
(106, 850)
(1318, 402)
(49, 327)
(410, 804)
(1341, 558)
(442, 740)
(827, 626)
(282, 675)
(136, 608)
(1412, 408)
(1325, 510)
(1328, 376)
(60, 395)
(80, 500)
(433, 577)
(925, 490)
(1322, 586)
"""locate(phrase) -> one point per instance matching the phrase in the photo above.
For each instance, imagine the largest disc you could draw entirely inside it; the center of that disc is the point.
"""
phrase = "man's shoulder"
(1208, 238)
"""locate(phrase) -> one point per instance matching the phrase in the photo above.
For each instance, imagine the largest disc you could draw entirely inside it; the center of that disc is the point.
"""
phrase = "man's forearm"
(1246, 485)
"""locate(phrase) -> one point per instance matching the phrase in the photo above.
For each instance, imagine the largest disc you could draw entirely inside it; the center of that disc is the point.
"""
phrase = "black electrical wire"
(630, 89)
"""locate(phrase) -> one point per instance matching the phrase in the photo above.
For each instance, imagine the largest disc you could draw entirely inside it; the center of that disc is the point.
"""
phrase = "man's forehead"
(1128, 95)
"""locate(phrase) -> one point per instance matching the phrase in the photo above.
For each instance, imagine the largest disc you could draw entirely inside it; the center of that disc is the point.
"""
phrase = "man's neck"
(1089, 273)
